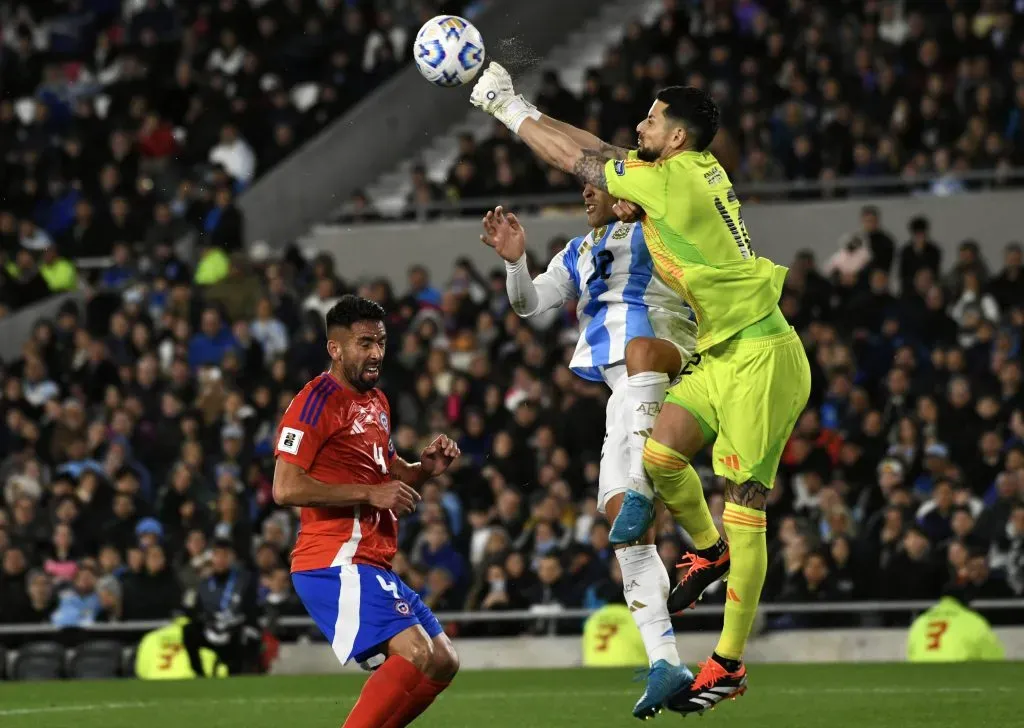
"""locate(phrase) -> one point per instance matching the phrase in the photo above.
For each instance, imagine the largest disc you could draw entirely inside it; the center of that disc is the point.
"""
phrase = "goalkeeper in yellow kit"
(749, 378)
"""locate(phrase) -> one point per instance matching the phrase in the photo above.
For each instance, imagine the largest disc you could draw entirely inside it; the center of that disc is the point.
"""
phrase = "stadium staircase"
(583, 49)
(395, 122)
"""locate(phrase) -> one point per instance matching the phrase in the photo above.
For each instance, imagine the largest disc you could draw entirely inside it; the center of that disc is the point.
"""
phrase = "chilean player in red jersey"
(335, 460)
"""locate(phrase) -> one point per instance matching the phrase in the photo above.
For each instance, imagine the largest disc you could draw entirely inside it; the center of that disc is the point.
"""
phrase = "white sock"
(645, 585)
(645, 394)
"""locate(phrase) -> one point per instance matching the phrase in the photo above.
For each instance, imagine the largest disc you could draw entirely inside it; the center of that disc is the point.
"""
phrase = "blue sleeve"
(570, 261)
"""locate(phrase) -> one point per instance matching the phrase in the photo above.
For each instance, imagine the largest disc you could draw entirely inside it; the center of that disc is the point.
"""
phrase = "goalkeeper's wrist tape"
(518, 111)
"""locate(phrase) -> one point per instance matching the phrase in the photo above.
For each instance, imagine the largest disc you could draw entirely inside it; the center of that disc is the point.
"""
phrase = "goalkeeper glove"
(494, 94)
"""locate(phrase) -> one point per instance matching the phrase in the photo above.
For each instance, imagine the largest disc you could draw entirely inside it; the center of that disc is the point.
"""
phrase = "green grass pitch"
(780, 696)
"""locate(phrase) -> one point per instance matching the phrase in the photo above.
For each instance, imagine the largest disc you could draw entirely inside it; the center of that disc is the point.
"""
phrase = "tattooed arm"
(585, 139)
(562, 151)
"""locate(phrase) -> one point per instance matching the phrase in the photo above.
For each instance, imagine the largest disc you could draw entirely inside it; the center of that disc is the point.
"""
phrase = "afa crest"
(621, 232)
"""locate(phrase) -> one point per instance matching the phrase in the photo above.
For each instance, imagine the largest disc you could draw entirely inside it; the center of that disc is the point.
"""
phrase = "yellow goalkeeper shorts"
(747, 395)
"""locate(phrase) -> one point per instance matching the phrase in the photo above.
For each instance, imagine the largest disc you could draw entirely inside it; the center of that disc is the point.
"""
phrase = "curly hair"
(352, 309)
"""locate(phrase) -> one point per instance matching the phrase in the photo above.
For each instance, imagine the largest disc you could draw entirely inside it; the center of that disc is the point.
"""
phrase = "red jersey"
(340, 436)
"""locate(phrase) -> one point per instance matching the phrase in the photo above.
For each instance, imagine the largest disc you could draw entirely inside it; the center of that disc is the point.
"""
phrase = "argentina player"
(635, 332)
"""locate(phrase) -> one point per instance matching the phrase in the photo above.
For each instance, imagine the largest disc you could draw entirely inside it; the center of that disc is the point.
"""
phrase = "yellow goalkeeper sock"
(678, 486)
(748, 553)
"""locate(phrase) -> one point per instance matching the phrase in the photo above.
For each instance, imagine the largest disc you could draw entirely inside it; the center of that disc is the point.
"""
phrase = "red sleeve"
(299, 437)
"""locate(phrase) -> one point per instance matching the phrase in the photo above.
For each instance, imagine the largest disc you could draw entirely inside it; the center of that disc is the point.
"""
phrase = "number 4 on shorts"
(389, 586)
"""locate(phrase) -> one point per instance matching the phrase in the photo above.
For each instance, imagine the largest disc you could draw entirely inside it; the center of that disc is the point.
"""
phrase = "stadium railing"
(557, 613)
(779, 231)
(750, 192)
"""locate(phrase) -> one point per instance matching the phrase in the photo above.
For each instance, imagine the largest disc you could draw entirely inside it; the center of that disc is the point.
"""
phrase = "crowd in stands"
(922, 90)
(137, 122)
(137, 433)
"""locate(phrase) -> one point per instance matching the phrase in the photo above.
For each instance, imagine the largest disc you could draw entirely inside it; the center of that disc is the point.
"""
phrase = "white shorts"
(614, 477)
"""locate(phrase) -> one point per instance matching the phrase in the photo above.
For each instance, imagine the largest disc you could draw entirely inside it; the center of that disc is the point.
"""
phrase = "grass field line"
(146, 704)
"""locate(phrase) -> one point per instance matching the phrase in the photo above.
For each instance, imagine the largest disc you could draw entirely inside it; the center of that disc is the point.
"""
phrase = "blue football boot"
(663, 681)
(635, 517)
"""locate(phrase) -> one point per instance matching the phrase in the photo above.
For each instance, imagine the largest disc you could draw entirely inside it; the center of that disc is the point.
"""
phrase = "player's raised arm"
(529, 297)
(584, 138)
(560, 145)
(495, 89)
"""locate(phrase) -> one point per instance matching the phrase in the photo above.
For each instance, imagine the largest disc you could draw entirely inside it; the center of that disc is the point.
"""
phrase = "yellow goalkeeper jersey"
(951, 632)
(698, 241)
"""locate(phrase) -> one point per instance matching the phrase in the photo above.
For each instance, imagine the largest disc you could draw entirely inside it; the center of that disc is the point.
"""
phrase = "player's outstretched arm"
(563, 152)
(528, 297)
(294, 487)
(559, 144)
(584, 138)
(494, 93)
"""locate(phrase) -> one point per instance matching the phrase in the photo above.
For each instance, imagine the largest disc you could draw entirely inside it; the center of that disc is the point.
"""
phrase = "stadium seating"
(37, 661)
(120, 126)
(810, 92)
(100, 660)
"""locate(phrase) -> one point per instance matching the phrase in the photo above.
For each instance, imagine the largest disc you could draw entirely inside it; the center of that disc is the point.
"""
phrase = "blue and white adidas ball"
(448, 51)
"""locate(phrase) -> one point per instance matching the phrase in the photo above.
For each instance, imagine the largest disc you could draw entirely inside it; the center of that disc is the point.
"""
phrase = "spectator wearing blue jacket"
(208, 347)
(437, 552)
(420, 288)
(59, 215)
(122, 271)
(79, 605)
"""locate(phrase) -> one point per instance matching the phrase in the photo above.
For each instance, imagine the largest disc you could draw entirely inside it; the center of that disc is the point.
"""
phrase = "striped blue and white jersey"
(619, 297)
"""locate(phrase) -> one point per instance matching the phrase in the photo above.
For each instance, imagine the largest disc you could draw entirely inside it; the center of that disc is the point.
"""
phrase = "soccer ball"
(448, 51)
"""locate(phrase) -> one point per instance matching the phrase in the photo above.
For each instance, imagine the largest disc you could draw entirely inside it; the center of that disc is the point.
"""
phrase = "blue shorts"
(359, 608)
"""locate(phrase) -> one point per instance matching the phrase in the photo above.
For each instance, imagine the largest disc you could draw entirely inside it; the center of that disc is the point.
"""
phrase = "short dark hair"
(695, 109)
(352, 309)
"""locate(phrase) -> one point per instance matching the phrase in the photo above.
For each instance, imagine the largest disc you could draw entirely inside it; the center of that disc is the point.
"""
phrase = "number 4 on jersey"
(378, 457)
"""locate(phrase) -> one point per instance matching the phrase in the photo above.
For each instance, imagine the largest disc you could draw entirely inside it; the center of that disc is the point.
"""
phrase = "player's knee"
(641, 354)
(678, 431)
(650, 354)
(419, 652)
(445, 661)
